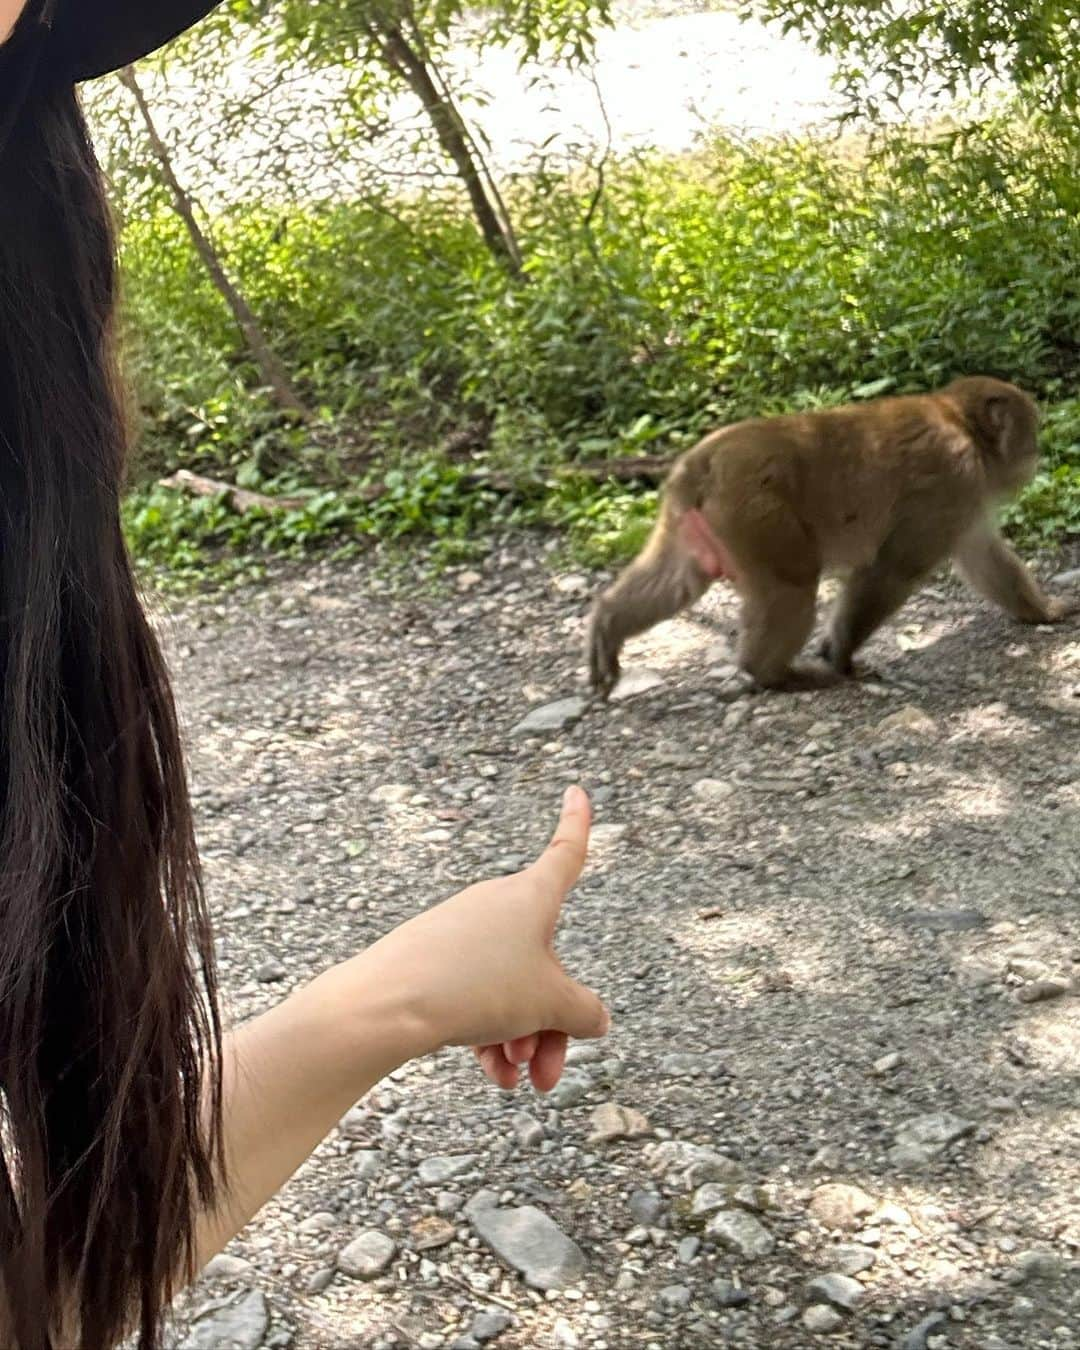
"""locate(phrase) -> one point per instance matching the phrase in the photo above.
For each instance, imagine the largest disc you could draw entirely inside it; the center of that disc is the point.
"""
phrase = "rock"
(1041, 990)
(550, 717)
(688, 1248)
(887, 1064)
(366, 1163)
(527, 1130)
(739, 1231)
(839, 1290)
(709, 1198)
(1071, 578)
(645, 1207)
(612, 1121)
(466, 581)
(681, 1065)
(840, 1206)
(675, 1298)
(431, 1232)
(1039, 1265)
(490, 1323)
(907, 723)
(367, 1255)
(691, 1165)
(637, 681)
(947, 920)
(729, 1295)
(322, 1279)
(239, 1326)
(920, 1140)
(528, 1241)
(226, 1267)
(713, 789)
(918, 1336)
(391, 794)
(569, 1090)
(439, 1170)
(821, 1319)
(851, 1259)
(1027, 968)
(270, 972)
(606, 834)
(319, 1222)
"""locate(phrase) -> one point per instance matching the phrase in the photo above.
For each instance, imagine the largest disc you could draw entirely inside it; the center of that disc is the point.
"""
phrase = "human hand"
(482, 969)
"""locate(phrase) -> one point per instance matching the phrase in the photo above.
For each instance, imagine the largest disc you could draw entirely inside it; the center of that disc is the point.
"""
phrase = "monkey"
(880, 492)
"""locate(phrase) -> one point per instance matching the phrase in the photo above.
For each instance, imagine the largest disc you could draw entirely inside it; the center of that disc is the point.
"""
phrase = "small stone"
(1041, 990)
(439, 1170)
(840, 1206)
(906, 723)
(637, 681)
(366, 1162)
(322, 1279)
(238, 1326)
(947, 920)
(606, 834)
(919, 1335)
(367, 1255)
(821, 1319)
(1039, 1265)
(431, 1232)
(490, 1323)
(851, 1259)
(550, 717)
(709, 1198)
(887, 1064)
(839, 1290)
(691, 1165)
(713, 789)
(729, 1295)
(270, 972)
(569, 1090)
(1070, 578)
(675, 1298)
(739, 1231)
(682, 1065)
(688, 1248)
(612, 1121)
(1028, 968)
(319, 1222)
(527, 1130)
(645, 1207)
(391, 794)
(531, 1243)
(227, 1267)
(466, 581)
(923, 1138)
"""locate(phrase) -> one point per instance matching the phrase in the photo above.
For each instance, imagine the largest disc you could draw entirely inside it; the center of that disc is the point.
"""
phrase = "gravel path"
(817, 918)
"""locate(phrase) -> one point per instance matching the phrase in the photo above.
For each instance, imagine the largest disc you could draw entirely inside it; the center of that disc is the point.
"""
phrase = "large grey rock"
(839, 1290)
(740, 1232)
(550, 717)
(531, 1243)
(240, 1326)
(367, 1255)
(923, 1138)
(439, 1170)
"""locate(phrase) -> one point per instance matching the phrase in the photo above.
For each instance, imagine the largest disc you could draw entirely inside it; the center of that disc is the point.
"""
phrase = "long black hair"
(110, 1096)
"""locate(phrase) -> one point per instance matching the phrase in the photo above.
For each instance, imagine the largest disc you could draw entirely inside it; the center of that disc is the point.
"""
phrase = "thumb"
(581, 1013)
(560, 864)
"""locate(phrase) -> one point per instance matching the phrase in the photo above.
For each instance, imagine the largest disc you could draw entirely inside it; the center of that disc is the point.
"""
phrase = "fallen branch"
(240, 499)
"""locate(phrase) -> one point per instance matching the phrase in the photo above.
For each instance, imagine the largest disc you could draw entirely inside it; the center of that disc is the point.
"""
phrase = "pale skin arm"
(479, 970)
(9, 13)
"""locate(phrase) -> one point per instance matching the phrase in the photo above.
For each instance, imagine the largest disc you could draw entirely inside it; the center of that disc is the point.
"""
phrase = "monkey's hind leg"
(777, 618)
(656, 586)
(872, 594)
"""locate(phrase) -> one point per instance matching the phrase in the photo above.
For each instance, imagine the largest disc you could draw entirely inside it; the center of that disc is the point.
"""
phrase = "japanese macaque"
(882, 492)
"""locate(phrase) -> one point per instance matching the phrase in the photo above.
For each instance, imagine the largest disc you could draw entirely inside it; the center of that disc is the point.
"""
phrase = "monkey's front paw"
(603, 664)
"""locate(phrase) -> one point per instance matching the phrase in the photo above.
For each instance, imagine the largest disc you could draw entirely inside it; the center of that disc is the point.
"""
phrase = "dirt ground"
(816, 917)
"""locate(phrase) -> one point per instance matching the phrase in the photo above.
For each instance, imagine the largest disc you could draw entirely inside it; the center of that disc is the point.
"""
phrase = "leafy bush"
(745, 278)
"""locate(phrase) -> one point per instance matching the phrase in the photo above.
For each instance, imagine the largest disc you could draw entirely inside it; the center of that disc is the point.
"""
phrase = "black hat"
(74, 40)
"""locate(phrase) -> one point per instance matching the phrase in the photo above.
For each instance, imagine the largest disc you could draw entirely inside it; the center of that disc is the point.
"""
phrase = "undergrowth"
(744, 279)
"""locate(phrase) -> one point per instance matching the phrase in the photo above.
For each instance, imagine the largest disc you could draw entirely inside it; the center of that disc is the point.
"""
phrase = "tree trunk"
(273, 374)
(452, 135)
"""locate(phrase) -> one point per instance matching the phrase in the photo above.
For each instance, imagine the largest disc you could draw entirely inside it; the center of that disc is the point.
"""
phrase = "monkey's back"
(844, 478)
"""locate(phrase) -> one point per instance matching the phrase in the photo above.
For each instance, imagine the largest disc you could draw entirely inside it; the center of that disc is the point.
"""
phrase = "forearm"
(291, 1074)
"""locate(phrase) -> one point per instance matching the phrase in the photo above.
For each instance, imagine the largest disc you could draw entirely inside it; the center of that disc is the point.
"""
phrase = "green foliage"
(746, 279)
(950, 46)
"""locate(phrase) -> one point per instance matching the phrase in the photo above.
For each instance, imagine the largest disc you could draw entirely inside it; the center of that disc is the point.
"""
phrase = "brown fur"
(882, 491)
